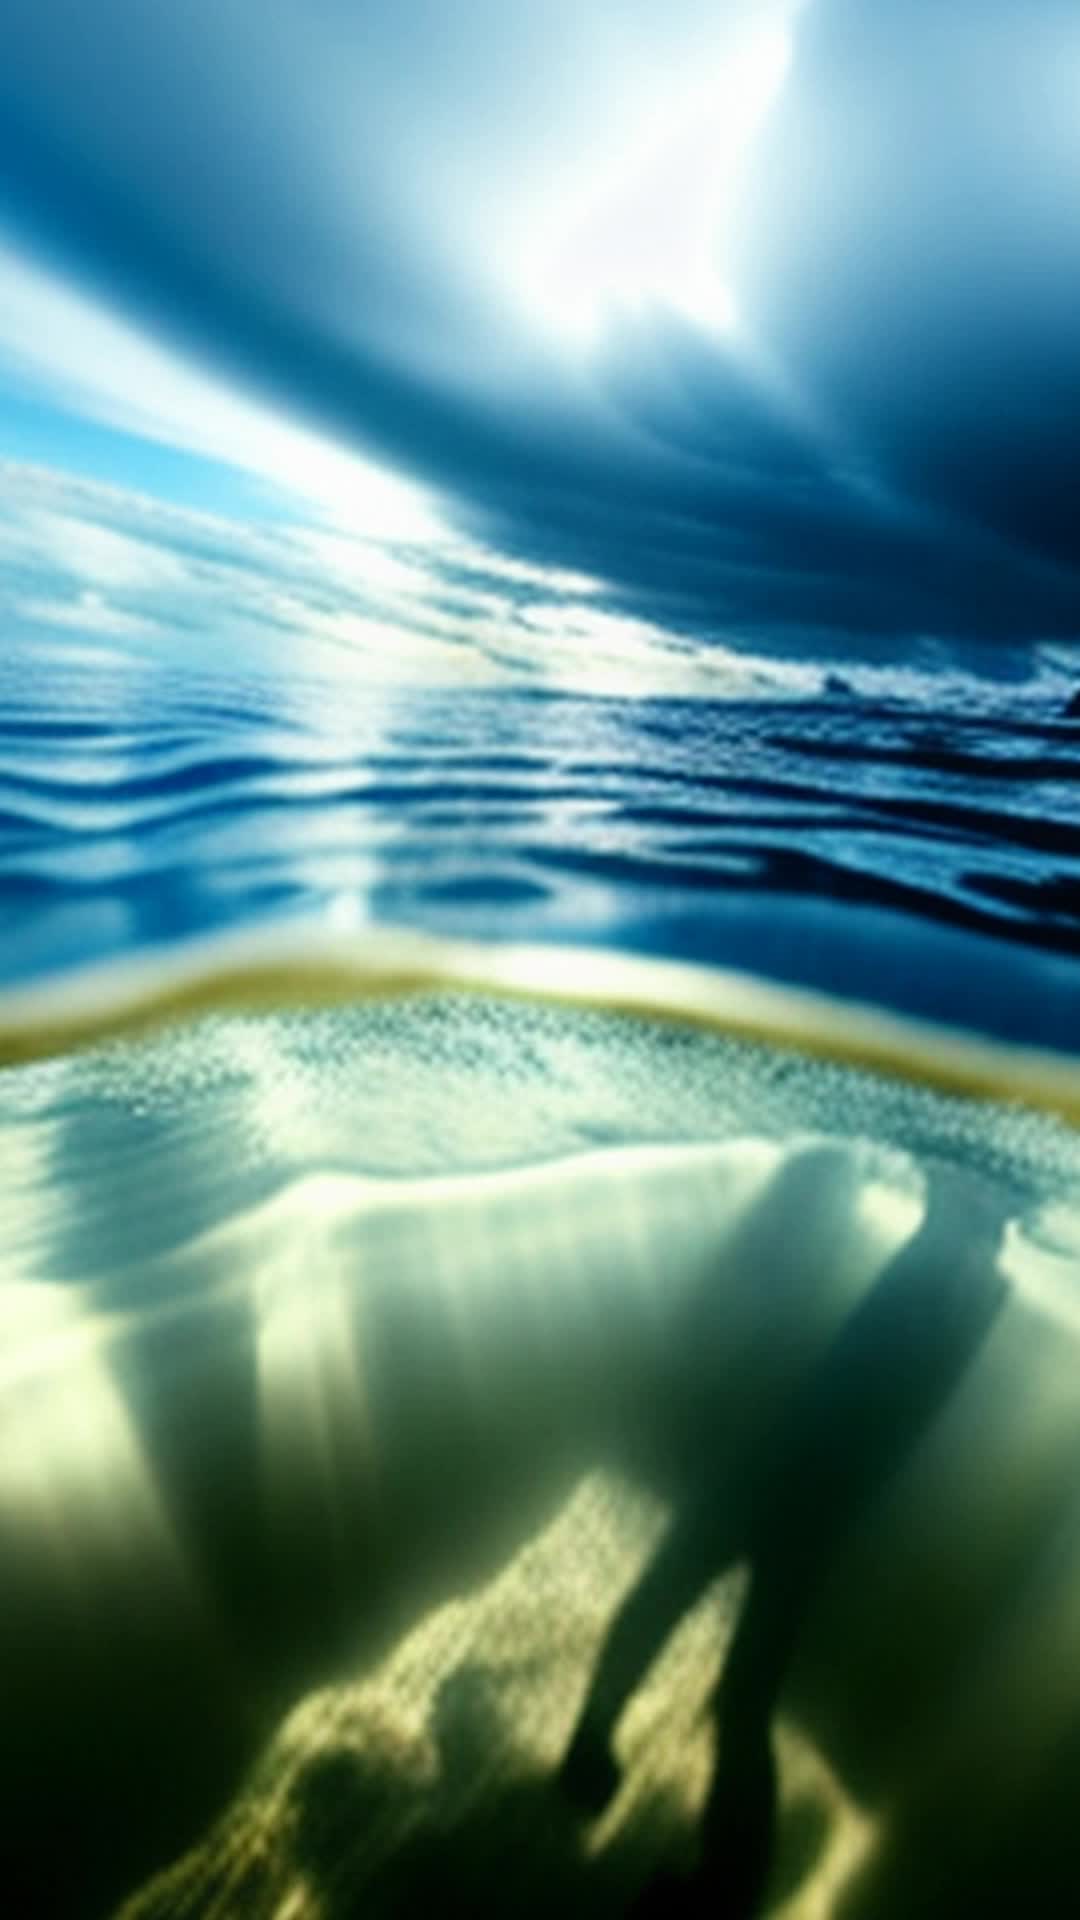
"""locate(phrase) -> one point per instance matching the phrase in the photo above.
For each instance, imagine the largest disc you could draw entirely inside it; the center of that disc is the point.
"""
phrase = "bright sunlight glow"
(650, 231)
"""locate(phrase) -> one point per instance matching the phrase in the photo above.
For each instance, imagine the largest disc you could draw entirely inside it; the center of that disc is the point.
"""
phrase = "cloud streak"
(323, 604)
(339, 238)
(310, 602)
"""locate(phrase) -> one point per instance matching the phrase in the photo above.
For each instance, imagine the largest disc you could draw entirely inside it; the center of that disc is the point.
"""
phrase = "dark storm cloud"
(320, 197)
(911, 244)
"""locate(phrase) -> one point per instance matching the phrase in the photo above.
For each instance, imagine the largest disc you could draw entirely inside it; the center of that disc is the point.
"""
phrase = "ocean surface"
(360, 1350)
(914, 852)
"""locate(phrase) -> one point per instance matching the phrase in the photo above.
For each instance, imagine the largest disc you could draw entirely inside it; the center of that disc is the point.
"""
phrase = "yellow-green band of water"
(315, 966)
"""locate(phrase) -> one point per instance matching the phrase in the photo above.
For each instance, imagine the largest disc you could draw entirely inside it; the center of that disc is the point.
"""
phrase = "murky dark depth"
(388, 1393)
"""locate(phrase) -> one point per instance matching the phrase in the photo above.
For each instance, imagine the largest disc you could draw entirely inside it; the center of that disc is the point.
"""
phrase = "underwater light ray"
(403, 1337)
(442, 1265)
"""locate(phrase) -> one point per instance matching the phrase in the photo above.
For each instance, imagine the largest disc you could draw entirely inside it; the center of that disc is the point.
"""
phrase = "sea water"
(440, 1143)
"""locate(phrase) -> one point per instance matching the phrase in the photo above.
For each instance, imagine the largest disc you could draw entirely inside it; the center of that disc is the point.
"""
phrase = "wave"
(809, 841)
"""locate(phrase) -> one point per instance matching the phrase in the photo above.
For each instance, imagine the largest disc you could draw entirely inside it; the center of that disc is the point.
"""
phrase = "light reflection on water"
(866, 847)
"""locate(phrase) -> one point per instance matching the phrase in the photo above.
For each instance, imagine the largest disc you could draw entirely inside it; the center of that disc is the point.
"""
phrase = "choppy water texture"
(922, 858)
(356, 1360)
(371, 1351)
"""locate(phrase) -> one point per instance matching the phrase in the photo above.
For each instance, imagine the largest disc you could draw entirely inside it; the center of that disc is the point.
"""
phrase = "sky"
(633, 335)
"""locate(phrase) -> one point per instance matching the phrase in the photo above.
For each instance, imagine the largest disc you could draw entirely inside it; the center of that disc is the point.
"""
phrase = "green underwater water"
(355, 1361)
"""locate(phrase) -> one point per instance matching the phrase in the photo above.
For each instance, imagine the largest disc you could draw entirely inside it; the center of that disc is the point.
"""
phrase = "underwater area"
(398, 1280)
(539, 959)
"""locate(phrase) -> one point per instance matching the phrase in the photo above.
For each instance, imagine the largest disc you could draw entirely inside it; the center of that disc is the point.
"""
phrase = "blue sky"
(753, 322)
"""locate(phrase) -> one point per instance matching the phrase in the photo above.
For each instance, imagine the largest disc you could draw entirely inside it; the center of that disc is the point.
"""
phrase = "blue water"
(921, 855)
(312, 1314)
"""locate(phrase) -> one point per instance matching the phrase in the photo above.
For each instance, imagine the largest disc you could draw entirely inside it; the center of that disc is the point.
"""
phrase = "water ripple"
(795, 837)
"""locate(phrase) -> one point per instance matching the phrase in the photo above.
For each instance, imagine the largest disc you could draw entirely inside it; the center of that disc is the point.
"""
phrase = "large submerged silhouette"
(460, 1447)
(539, 936)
